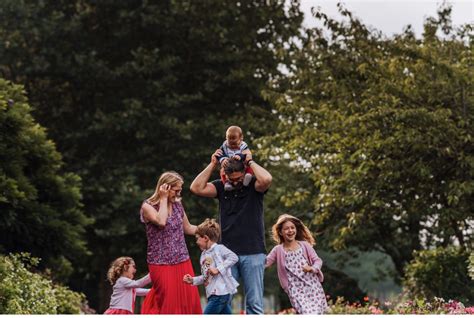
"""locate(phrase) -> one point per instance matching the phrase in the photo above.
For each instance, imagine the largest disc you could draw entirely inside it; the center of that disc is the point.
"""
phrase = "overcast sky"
(390, 16)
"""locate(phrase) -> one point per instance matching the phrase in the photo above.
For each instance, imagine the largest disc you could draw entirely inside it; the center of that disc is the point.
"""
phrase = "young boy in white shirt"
(216, 263)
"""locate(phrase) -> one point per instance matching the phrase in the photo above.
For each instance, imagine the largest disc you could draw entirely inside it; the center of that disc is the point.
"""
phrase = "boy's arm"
(198, 280)
(229, 258)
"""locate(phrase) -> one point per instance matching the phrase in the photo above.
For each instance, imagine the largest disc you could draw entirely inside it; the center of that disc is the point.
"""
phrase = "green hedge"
(22, 291)
(441, 272)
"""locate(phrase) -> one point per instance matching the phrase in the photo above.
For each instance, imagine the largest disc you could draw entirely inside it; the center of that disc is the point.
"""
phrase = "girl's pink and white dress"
(304, 289)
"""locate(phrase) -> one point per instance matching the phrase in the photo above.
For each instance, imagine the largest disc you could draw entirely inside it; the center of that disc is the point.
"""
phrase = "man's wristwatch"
(249, 162)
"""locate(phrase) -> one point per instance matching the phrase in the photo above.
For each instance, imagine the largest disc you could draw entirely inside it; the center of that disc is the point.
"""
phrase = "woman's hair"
(302, 232)
(210, 228)
(118, 267)
(170, 177)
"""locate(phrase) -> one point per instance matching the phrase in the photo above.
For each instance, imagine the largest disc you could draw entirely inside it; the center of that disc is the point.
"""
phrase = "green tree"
(383, 128)
(440, 272)
(24, 292)
(40, 202)
(129, 89)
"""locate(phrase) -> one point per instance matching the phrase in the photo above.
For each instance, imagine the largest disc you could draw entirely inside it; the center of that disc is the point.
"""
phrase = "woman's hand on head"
(164, 191)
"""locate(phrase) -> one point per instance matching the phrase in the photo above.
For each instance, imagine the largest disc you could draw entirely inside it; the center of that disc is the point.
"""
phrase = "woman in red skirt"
(167, 255)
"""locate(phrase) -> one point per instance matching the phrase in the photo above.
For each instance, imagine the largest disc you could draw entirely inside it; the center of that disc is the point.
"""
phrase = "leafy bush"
(40, 201)
(471, 266)
(411, 306)
(23, 291)
(440, 272)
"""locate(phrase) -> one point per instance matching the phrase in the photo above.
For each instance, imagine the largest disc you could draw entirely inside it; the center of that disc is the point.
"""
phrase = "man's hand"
(248, 155)
(188, 279)
(214, 156)
(213, 271)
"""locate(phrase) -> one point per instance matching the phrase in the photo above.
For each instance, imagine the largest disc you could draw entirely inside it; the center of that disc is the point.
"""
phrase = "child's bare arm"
(188, 279)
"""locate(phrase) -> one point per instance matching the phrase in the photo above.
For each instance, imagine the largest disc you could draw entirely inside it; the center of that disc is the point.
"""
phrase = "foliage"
(383, 128)
(416, 306)
(440, 272)
(25, 292)
(40, 203)
(471, 265)
(128, 89)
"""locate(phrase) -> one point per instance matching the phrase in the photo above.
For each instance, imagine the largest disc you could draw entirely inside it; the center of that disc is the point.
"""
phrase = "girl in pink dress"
(298, 265)
(120, 275)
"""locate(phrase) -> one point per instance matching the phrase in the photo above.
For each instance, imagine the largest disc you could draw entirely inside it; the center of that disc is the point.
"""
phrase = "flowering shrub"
(470, 266)
(25, 292)
(418, 306)
(440, 272)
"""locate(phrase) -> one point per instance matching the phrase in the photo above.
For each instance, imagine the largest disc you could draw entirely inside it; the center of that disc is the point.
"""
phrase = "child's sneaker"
(247, 179)
(228, 186)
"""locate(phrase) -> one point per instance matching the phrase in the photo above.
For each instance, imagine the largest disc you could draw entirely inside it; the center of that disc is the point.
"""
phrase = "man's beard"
(238, 186)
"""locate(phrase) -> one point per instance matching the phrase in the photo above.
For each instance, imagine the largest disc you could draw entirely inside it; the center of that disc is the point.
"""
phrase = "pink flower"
(469, 310)
(374, 310)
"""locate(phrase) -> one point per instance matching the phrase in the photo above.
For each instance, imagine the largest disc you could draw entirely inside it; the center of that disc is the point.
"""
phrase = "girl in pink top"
(298, 265)
(120, 275)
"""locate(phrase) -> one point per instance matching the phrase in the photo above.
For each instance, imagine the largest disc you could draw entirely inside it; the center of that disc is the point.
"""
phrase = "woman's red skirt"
(117, 312)
(169, 294)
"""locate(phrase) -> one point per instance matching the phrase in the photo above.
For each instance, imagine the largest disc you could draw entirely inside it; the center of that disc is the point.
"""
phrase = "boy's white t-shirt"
(220, 257)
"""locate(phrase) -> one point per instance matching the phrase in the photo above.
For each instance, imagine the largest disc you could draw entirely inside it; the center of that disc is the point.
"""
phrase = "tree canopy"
(383, 127)
(41, 204)
(129, 89)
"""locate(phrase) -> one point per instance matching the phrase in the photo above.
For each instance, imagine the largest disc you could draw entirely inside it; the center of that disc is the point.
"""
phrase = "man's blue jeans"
(218, 305)
(250, 269)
